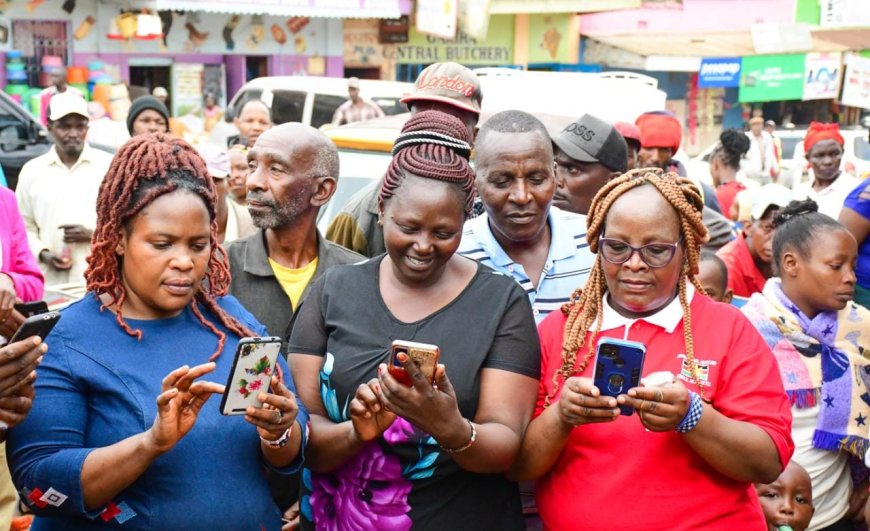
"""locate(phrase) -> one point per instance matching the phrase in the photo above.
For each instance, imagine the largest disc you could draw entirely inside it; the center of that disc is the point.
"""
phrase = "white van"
(313, 100)
(611, 96)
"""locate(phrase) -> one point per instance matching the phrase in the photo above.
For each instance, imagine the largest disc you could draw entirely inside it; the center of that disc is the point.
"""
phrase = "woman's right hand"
(369, 417)
(179, 405)
(581, 403)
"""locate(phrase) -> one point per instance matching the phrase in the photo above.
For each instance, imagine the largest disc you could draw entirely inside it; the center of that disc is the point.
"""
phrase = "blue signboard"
(719, 72)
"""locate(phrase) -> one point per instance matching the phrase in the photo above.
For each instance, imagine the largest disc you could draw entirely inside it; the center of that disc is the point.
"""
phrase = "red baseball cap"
(449, 83)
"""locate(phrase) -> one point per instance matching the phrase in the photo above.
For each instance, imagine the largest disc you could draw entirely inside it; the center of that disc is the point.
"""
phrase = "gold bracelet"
(465, 446)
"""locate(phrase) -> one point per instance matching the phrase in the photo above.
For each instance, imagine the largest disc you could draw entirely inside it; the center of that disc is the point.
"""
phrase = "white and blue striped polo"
(568, 263)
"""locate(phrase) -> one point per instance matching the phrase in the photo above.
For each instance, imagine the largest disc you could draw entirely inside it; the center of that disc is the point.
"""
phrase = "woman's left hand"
(659, 408)
(432, 408)
(277, 413)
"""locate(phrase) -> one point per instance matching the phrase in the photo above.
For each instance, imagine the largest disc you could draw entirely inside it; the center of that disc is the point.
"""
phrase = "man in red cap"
(447, 87)
(660, 137)
(830, 186)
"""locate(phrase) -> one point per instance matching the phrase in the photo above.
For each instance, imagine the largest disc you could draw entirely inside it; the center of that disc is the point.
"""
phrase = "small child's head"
(788, 501)
(713, 276)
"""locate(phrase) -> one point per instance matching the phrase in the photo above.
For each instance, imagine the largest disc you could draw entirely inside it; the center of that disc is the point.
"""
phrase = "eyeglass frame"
(639, 251)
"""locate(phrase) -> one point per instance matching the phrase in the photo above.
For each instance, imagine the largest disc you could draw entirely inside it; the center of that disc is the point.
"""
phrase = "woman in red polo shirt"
(689, 455)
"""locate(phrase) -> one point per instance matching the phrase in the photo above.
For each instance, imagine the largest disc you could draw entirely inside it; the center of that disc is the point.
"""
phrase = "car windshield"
(788, 145)
(862, 148)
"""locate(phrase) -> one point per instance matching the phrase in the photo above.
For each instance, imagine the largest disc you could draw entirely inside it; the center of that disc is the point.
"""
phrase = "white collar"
(668, 317)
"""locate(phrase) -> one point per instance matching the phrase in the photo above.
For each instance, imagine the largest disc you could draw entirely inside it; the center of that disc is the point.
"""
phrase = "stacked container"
(16, 76)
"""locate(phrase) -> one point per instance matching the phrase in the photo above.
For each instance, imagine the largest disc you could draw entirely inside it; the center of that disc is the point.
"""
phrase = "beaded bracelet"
(281, 441)
(465, 446)
(693, 415)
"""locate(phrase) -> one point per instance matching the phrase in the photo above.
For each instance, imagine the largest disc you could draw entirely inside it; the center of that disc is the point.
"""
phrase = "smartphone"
(36, 325)
(618, 367)
(29, 309)
(423, 354)
(252, 370)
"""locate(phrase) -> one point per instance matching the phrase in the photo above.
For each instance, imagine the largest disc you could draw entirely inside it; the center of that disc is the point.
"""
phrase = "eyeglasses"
(655, 255)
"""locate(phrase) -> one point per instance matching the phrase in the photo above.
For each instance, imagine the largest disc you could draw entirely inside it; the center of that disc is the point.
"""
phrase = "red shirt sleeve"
(750, 386)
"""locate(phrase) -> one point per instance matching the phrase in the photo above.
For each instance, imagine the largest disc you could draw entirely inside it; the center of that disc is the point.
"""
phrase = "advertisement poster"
(772, 78)
(856, 83)
(718, 72)
(822, 76)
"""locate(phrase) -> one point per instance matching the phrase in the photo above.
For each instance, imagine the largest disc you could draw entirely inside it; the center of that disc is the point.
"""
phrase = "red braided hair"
(145, 168)
(433, 145)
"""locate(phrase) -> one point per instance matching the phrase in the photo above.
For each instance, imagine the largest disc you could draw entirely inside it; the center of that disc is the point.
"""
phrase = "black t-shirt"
(403, 479)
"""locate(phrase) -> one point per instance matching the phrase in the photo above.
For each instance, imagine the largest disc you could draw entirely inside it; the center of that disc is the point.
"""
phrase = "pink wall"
(696, 15)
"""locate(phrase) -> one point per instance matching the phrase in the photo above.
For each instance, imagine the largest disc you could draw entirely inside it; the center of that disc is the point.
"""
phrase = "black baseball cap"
(591, 139)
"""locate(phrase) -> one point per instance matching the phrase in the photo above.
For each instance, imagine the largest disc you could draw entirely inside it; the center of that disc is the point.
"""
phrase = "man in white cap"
(355, 109)
(57, 192)
(749, 258)
(234, 220)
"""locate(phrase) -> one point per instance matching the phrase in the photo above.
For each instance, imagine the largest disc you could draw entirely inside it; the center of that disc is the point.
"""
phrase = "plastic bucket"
(76, 74)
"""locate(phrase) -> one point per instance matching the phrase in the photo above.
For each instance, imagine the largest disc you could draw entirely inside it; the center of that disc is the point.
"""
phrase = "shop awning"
(507, 7)
(292, 8)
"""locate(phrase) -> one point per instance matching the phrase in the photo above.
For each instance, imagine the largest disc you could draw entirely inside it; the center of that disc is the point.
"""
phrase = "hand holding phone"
(618, 367)
(424, 356)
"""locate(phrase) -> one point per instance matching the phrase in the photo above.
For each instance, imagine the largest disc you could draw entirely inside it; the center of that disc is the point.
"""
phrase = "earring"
(380, 219)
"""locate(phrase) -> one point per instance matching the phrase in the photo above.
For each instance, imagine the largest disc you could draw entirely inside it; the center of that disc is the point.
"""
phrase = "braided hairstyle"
(433, 145)
(733, 145)
(797, 225)
(145, 168)
(585, 306)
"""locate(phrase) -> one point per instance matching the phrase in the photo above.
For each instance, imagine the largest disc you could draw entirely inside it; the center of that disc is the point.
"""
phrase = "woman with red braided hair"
(384, 455)
(710, 417)
(99, 449)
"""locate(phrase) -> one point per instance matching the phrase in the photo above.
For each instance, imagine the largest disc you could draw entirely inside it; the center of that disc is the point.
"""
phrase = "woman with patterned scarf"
(820, 339)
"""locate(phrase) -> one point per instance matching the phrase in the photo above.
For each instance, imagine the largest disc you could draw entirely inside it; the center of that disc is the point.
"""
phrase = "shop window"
(37, 39)
(324, 108)
(287, 106)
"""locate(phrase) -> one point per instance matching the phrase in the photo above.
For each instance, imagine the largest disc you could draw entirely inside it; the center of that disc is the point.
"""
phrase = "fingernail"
(36, 340)
(261, 397)
(380, 370)
(402, 357)
(39, 360)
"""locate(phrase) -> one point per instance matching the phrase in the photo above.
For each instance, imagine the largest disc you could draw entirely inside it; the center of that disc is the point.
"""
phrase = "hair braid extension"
(585, 306)
(145, 168)
(431, 157)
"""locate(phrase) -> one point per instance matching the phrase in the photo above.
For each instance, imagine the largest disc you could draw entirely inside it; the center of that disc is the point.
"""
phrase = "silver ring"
(660, 397)
(280, 416)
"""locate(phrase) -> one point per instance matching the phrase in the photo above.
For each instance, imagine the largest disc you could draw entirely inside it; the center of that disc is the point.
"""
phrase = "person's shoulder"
(36, 163)
(236, 248)
(337, 255)
(7, 196)
(79, 316)
(235, 309)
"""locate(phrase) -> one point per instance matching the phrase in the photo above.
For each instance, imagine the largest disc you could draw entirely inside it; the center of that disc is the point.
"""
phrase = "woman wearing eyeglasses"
(716, 421)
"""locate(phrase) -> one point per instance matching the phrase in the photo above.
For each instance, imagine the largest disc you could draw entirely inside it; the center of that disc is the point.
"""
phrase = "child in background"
(713, 276)
(787, 502)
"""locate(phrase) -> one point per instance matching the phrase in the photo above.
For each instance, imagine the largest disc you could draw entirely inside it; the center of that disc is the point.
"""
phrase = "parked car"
(22, 138)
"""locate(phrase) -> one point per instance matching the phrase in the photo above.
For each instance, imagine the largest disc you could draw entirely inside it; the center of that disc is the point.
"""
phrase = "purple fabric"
(18, 261)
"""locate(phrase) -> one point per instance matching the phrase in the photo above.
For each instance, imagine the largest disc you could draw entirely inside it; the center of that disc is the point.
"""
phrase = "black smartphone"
(618, 367)
(29, 309)
(36, 325)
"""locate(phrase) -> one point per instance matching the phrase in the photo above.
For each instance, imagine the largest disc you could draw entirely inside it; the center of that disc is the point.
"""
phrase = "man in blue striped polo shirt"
(521, 234)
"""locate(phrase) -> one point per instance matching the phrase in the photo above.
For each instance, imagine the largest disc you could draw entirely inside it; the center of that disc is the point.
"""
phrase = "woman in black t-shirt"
(385, 456)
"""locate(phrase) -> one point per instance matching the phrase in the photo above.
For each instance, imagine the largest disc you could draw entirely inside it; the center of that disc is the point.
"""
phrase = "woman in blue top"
(856, 217)
(97, 449)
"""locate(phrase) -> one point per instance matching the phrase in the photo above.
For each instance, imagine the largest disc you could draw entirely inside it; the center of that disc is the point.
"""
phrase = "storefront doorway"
(144, 79)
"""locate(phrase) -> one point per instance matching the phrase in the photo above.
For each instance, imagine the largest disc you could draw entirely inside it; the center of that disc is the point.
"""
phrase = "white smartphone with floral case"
(252, 371)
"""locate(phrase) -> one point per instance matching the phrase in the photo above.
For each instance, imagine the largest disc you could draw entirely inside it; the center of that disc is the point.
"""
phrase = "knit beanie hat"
(143, 103)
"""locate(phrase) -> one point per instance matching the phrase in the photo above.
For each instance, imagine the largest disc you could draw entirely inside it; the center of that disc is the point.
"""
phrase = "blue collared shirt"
(568, 262)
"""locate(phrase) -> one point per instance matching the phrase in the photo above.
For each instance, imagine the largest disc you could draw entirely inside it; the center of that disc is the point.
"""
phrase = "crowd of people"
(747, 298)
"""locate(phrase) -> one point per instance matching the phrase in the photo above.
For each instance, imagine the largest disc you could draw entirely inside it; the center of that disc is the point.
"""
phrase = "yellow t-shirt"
(293, 280)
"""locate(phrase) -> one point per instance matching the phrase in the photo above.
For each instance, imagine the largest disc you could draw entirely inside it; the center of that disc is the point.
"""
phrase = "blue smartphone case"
(618, 367)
